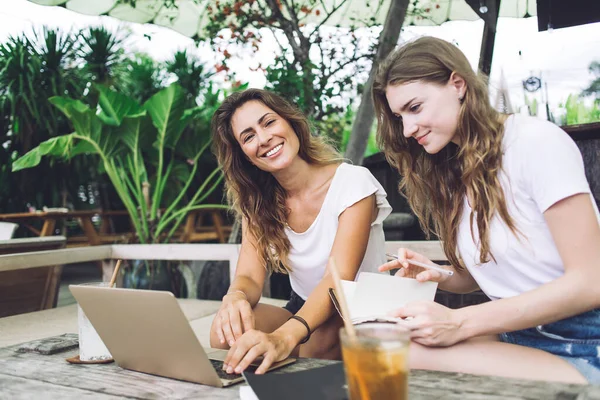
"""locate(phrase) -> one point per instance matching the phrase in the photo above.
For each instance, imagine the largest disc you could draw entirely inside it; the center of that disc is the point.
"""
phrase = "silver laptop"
(146, 331)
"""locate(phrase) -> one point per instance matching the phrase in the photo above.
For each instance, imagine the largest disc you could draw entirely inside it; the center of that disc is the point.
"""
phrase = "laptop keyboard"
(218, 366)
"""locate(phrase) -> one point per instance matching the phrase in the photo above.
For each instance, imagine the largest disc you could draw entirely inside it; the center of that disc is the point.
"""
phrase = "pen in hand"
(422, 265)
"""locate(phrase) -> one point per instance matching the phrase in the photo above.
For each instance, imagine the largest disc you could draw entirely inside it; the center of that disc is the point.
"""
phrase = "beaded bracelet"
(303, 321)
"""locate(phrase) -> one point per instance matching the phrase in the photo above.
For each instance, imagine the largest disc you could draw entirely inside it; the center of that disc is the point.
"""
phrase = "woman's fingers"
(394, 264)
(430, 275)
(266, 363)
(235, 322)
(252, 354)
(226, 327)
(405, 254)
(247, 317)
(402, 255)
(219, 329)
(239, 350)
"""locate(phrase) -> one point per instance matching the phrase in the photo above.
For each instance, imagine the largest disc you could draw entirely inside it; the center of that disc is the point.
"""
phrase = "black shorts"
(295, 303)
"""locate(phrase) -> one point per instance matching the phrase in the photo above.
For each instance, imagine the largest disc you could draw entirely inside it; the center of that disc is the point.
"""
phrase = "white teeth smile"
(274, 150)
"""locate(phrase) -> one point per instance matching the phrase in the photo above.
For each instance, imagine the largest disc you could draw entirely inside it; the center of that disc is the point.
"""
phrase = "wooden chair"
(195, 231)
(29, 289)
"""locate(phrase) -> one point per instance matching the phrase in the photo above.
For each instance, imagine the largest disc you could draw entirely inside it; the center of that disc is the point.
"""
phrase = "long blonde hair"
(253, 193)
(436, 185)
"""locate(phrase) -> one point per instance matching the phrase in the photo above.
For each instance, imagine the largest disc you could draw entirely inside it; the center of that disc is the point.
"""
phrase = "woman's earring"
(461, 99)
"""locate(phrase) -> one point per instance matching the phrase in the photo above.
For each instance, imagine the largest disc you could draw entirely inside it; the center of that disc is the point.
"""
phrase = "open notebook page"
(373, 295)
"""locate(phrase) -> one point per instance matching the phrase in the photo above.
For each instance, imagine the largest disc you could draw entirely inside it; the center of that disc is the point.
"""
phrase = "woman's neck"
(299, 178)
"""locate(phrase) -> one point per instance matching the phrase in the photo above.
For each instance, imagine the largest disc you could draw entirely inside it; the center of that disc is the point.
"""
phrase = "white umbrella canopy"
(190, 16)
(432, 12)
(187, 18)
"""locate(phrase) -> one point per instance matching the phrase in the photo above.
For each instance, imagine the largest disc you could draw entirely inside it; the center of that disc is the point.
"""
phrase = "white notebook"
(372, 295)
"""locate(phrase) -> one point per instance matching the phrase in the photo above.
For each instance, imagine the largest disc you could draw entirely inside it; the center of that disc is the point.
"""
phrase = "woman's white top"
(310, 249)
(541, 165)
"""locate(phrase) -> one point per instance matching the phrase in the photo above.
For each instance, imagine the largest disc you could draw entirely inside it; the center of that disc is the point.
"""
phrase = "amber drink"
(376, 362)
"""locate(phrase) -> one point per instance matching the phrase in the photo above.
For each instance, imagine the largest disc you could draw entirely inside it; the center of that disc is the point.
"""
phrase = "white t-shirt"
(310, 249)
(541, 166)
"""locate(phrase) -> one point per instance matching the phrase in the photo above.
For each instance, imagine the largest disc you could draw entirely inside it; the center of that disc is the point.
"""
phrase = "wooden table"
(49, 219)
(192, 231)
(32, 375)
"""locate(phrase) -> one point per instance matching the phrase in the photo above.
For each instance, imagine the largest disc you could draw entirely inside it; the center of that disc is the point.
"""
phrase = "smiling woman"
(299, 205)
(268, 142)
(508, 196)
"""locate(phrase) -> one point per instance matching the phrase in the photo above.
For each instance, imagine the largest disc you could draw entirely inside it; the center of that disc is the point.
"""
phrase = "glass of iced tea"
(376, 362)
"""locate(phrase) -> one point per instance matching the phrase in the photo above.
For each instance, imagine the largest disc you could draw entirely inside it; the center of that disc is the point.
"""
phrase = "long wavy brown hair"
(436, 184)
(254, 194)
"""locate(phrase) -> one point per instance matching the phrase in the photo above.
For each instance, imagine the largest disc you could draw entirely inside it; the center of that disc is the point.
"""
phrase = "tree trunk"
(366, 114)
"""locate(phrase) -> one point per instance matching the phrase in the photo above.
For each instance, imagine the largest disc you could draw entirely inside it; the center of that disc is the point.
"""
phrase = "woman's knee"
(421, 357)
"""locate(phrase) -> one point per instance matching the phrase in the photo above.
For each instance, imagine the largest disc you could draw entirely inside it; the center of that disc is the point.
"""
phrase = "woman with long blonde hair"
(299, 205)
(508, 196)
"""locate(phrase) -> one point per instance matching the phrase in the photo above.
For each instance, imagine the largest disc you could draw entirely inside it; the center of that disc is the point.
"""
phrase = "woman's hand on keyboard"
(273, 347)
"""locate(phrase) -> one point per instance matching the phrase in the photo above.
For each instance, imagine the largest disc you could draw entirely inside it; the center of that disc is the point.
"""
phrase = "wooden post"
(189, 228)
(89, 230)
(218, 224)
(48, 228)
(363, 122)
(489, 32)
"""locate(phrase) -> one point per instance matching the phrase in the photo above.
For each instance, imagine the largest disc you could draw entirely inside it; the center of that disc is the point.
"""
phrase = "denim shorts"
(295, 303)
(575, 339)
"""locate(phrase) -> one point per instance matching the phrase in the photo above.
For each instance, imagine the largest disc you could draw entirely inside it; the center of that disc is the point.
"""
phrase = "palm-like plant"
(141, 149)
(140, 77)
(31, 70)
(102, 52)
(191, 75)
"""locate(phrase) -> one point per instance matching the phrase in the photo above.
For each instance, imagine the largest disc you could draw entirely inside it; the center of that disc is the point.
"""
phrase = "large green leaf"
(86, 123)
(116, 106)
(68, 105)
(166, 109)
(83, 147)
(29, 160)
(59, 146)
(130, 133)
(181, 172)
(192, 145)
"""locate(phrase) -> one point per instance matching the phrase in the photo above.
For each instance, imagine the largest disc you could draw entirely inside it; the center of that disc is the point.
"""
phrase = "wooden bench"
(29, 289)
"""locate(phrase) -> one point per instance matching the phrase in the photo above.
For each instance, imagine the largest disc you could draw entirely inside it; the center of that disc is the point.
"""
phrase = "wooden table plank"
(16, 388)
(107, 379)
(436, 384)
(50, 376)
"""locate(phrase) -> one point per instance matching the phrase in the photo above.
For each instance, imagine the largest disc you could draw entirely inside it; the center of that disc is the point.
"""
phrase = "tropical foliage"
(31, 70)
(142, 149)
(54, 63)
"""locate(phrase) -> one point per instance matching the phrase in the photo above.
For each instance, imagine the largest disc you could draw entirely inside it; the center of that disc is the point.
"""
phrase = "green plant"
(140, 77)
(191, 75)
(32, 70)
(142, 150)
(315, 66)
(532, 105)
(577, 112)
(338, 128)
